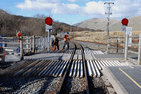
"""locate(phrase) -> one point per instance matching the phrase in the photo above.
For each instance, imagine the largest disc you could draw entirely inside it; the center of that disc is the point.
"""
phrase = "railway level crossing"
(98, 63)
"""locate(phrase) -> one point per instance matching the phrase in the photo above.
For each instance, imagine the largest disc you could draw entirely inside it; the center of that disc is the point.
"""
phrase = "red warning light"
(48, 21)
(124, 21)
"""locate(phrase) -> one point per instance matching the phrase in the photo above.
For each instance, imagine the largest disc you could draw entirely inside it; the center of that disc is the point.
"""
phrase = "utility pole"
(109, 13)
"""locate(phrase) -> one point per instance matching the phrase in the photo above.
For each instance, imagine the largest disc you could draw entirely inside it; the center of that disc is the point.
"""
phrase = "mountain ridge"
(114, 24)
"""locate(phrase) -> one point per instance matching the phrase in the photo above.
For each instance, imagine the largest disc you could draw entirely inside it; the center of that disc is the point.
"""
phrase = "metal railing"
(27, 44)
(127, 45)
(116, 45)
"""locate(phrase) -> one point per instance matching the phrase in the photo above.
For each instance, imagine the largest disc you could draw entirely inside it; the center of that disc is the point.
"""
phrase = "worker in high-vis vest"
(66, 38)
(18, 35)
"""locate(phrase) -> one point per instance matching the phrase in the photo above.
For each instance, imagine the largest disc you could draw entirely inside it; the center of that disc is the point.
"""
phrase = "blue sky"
(72, 11)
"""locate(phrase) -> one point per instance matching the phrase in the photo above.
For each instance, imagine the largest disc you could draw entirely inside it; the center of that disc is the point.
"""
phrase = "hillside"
(115, 25)
(9, 24)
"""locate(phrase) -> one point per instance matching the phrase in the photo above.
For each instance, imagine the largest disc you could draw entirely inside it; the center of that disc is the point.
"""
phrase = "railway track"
(75, 81)
(77, 75)
(97, 82)
(36, 68)
(54, 70)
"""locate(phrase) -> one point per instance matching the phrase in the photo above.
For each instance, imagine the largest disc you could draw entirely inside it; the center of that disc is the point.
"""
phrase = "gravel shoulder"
(26, 85)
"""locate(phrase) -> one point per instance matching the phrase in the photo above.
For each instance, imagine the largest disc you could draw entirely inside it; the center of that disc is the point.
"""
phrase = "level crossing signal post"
(48, 28)
(124, 22)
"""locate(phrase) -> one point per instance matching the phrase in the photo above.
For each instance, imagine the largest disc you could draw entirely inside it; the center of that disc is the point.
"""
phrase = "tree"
(40, 16)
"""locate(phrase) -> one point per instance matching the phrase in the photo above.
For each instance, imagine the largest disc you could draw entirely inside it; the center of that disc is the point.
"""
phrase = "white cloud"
(72, 0)
(48, 1)
(76, 0)
(93, 8)
(121, 8)
(127, 8)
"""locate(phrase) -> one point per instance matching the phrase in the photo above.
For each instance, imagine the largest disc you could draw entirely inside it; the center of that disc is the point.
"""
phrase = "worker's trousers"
(66, 43)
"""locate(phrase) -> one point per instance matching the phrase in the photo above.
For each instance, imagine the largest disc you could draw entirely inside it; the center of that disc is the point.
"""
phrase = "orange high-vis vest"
(66, 37)
(18, 34)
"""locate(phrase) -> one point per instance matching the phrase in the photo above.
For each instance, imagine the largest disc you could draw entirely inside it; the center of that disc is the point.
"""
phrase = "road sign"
(124, 21)
(129, 32)
(48, 21)
(48, 28)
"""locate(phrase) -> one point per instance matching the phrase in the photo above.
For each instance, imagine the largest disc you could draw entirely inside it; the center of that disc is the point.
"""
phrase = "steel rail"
(66, 71)
(85, 70)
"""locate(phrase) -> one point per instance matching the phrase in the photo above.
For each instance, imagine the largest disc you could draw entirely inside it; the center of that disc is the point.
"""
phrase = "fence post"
(27, 38)
(30, 43)
(126, 47)
(40, 43)
(21, 48)
(139, 49)
(33, 44)
(117, 45)
(43, 42)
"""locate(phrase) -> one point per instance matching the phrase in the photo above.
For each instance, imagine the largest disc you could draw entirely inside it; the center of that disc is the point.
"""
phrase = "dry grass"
(101, 37)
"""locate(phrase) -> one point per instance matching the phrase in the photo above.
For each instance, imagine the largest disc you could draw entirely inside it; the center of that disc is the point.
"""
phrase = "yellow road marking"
(130, 77)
